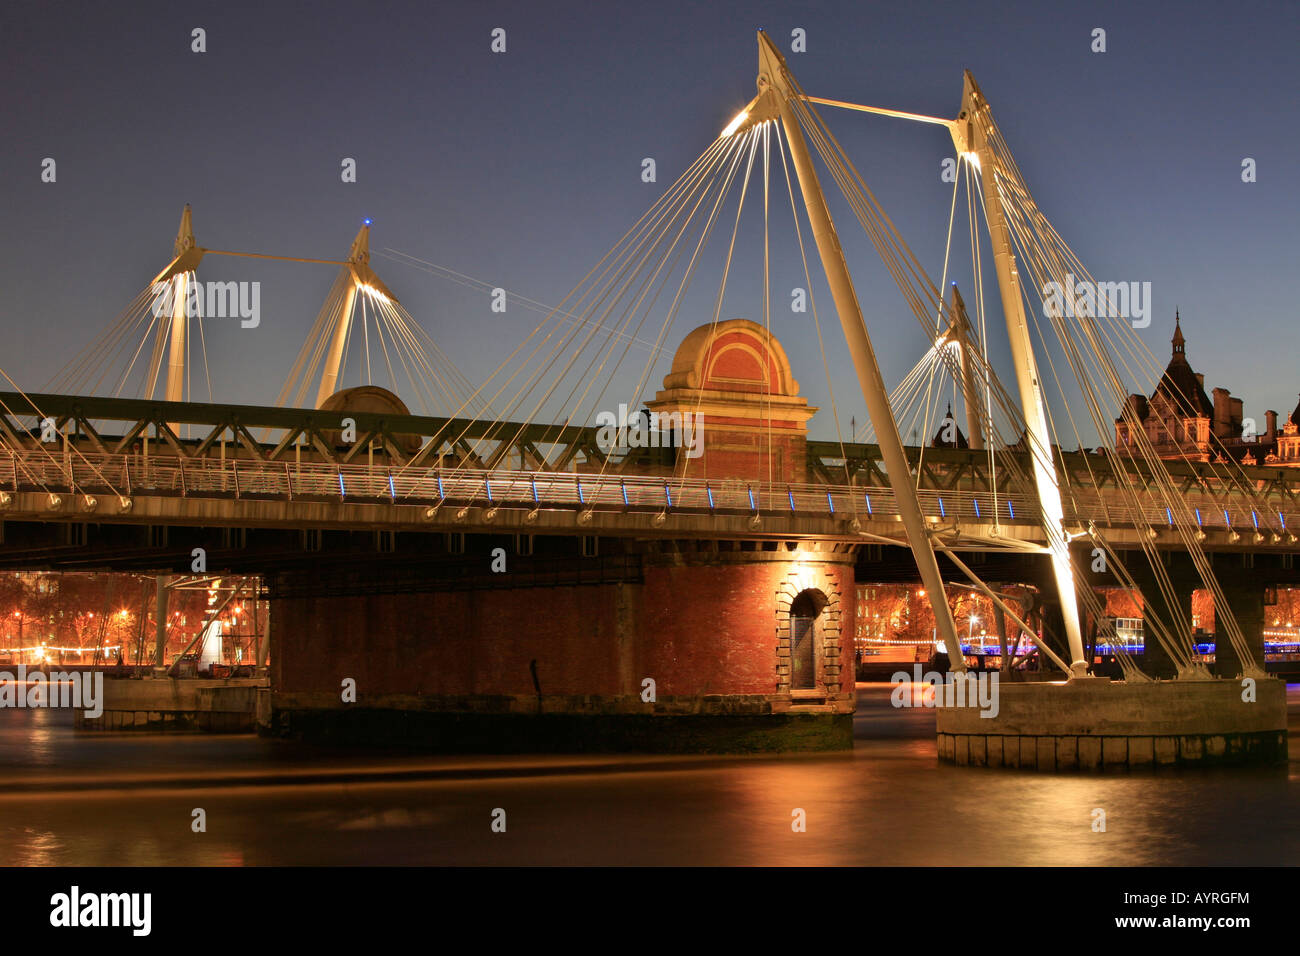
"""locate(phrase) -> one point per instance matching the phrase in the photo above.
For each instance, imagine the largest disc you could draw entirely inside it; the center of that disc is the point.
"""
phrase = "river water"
(81, 799)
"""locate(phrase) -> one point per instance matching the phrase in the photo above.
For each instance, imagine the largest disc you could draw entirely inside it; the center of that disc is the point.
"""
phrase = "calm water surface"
(70, 798)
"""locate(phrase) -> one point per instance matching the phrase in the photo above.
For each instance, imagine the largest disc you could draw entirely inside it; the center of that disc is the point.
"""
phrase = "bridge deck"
(84, 475)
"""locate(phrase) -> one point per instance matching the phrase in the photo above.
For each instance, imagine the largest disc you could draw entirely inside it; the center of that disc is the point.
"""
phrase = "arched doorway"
(805, 611)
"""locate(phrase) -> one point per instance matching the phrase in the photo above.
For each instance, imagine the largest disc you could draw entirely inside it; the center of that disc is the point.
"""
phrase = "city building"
(1184, 423)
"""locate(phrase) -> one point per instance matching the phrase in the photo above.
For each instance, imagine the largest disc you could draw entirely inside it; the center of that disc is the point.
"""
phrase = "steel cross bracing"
(108, 463)
(150, 427)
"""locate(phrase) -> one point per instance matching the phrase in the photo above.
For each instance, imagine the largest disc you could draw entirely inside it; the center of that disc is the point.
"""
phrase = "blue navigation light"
(942, 513)
(710, 491)
(581, 499)
(830, 502)
(1010, 510)
(668, 496)
(868, 497)
(626, 503)
(366, 221)
(441, 493)
(976, 503)
(533, 482)
(1169, 515)
(343, 491)
(790, 495)
(1255, 518)
(1198, 518)
(392, 492)
(752, 507)
(487, 485)
(1226, 520)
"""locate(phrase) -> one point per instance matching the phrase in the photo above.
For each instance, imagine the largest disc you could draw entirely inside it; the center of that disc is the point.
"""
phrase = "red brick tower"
(735, 383)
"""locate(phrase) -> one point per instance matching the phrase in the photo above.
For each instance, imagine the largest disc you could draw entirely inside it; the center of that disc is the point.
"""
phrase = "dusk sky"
(521, 168)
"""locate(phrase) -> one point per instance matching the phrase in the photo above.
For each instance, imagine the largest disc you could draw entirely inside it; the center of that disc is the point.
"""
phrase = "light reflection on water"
(887, 802)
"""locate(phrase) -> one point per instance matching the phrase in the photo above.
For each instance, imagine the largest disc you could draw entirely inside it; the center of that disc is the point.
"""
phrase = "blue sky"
(522, 168)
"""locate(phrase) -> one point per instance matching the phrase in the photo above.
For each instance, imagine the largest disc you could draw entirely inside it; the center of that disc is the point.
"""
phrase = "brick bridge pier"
(592, 643)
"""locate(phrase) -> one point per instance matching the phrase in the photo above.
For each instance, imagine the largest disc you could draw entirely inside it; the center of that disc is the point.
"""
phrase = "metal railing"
(164, 475)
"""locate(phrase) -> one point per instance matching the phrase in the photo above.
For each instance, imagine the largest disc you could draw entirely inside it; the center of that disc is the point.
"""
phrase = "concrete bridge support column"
(1245, 598)
(160, 625)
(1054, 634)
(1155, 661)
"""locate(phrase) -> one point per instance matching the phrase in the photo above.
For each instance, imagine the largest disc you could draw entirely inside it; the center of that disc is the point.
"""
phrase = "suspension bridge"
(707, 546)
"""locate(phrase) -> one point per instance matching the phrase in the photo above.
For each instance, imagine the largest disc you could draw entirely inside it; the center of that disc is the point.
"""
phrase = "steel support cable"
(861, 209)
(1137, 347)
(416, 363)
(938, 321)
(1233, 473)
(587, 281)
(388, 361)
(722, 284)
(69, 448)
(1157, 469)
(156, 332)
(573, 402)
(74, 368)
(422, 384)
(683, 285)
(456, 380)
(433, 367)
(163, 337)
(877, 229)
(1047, 453)
(625, 273)
(294, 390)
(767, 309)
(313, 348)
(902, 396)
(335, 322)
(625, 276)
(893, 250)
(83, 365)
(900, 247)
(203, 347)
(699, 176)
(629, 282)
(105, 354)
(746, 139)
(429, 369)
(875, 232)
(637, 307)
(365, 334)
(480, 285)
(1162, 582)
(836, 165)
(1177, 650)
(1104, 627)
(977, 264)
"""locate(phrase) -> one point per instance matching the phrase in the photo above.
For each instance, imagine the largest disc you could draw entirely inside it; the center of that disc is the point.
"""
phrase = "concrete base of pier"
(1099, 724)
(592, 725)
(214, 706)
